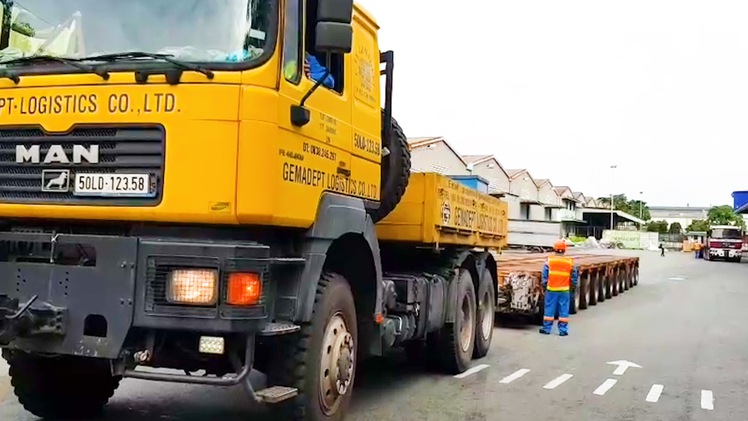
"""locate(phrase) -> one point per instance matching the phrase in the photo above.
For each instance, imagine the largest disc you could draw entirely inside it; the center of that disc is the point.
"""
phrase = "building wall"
(498, 181)
(546, 194)
(437, 157)
(513, 206)
(524, 187)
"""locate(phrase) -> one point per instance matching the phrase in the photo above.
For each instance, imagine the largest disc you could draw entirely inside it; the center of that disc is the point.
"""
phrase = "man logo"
(56, 155)
(55, 181)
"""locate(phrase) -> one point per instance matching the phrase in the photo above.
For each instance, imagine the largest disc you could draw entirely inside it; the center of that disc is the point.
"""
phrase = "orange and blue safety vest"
(560, 273)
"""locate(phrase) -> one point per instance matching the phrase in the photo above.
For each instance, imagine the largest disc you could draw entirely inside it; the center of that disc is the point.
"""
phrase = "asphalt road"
(683, 324)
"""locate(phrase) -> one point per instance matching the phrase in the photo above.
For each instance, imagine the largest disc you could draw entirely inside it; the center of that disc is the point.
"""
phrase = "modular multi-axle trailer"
(601, 277)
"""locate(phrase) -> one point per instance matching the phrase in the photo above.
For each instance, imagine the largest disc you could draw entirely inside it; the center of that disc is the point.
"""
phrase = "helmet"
(559, 246)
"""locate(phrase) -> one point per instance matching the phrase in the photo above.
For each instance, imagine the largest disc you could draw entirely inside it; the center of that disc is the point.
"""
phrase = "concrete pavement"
(682, 325)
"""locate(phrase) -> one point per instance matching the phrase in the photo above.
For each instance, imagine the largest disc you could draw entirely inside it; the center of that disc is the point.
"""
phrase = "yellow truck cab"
(214, 185)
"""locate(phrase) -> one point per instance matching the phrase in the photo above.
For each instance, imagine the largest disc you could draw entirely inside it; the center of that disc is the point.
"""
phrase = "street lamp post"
(612, 206)
(640, 210)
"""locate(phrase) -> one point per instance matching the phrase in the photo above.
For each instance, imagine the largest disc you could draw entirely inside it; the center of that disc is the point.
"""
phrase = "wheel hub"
(337, 364)
(467, 325)
(488, 315)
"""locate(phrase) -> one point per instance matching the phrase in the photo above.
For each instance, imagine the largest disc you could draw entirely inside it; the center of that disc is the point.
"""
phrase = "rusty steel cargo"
(601, 277)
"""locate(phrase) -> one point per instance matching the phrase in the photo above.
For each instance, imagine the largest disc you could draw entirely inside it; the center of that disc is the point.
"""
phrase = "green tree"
(675, 228)
(622, 203)
(698, 225)
(657, 226)
(724, 215)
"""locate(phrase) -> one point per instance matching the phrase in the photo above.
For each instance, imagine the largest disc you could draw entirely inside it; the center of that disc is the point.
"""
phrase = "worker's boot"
(544, 332)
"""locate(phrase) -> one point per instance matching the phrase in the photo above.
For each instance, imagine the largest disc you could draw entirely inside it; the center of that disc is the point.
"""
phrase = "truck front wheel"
(321, 362)
(61, 387)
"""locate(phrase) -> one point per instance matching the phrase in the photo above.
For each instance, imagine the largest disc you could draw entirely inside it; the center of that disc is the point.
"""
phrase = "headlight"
(192, 286)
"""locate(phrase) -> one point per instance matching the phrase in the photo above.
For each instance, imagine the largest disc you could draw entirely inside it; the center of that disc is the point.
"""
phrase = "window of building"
(548, 214)
(524, 210)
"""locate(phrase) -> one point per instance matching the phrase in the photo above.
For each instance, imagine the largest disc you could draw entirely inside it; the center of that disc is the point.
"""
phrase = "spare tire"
(395, 170)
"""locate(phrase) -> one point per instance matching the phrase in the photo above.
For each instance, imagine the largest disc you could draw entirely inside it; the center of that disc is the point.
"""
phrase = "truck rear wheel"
(321, 359)
(456, 340)
(485, 315)
(62, 387)
(395, 171)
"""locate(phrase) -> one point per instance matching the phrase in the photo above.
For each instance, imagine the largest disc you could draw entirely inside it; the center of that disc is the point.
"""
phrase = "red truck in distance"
(724, 242)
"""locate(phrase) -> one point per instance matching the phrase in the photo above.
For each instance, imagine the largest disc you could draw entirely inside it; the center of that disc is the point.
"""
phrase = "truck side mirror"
(333, 31)
(333, 37)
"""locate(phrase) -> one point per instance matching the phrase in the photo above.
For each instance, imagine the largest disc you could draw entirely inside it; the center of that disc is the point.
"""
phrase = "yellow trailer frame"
(437, 210)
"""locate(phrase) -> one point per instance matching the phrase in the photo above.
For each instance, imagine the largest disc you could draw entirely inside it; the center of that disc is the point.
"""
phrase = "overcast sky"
(568, 88)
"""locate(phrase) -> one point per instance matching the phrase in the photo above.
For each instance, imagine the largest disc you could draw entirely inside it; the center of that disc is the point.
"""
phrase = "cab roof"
(359, 10)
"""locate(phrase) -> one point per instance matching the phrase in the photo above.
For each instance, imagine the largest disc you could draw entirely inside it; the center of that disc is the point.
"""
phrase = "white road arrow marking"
(623, 365)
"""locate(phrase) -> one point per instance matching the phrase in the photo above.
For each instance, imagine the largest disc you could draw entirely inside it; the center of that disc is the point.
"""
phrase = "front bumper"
(728, 253)
(89, 307)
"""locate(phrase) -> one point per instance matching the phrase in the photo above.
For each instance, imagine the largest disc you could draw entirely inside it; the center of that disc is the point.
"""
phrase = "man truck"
(724, 242)
(176, 193)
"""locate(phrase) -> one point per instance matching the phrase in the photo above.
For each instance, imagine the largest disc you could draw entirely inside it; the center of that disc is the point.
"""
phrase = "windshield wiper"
(42, 58)
(140, 54)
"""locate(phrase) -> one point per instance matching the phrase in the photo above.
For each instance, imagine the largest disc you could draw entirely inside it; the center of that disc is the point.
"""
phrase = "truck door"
(324, 144)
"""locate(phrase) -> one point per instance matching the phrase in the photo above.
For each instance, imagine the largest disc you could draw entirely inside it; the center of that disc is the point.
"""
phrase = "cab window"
(292, 41)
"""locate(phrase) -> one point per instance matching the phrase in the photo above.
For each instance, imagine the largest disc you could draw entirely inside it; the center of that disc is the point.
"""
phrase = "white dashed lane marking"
(557, 381)
(654, 393)
(471, 371)
(707, 400)
(603, 388)
(514, 376)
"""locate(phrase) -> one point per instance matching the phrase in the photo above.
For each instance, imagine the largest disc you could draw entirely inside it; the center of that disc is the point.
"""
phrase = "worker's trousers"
(555, 300)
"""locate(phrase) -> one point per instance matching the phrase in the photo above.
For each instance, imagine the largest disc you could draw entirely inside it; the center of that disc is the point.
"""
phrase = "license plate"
(91, 184)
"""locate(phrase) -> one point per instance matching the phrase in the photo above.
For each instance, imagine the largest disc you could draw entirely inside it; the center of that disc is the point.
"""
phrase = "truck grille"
(122, 149)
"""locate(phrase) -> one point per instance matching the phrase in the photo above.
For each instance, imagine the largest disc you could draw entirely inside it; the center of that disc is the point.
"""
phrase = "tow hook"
(23, 320)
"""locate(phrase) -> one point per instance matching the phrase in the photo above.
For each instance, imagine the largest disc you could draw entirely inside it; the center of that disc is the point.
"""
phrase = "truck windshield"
(209, 31)
(721, 233)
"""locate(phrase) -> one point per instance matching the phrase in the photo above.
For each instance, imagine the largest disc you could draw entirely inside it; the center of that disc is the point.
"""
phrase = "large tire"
(62, 387)
(484, 315)
(395, 171)
(456, 340)
(307, 361)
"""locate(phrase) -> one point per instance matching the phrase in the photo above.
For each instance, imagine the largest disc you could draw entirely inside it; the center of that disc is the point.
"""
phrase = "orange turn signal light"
(245, 289)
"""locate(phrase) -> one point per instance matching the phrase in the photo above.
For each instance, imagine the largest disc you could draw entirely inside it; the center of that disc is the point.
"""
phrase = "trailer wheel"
(584, 290)
(457, 339)
(484, 315)
(320, 360)
(593, 289)
(627, 277)
(609, 283)
(62, 387)
(395, 171)
(602, 288)
(574, 301)
(636, 274)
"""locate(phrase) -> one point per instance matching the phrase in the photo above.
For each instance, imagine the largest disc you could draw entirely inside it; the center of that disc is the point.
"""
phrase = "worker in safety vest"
(559, 274)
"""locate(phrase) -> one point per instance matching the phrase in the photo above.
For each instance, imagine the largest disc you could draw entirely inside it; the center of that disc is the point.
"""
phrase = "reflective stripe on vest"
(559, 273)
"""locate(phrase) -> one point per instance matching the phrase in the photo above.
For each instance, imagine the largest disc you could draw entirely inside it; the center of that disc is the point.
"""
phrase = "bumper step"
(279, 328)
(276, 394)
